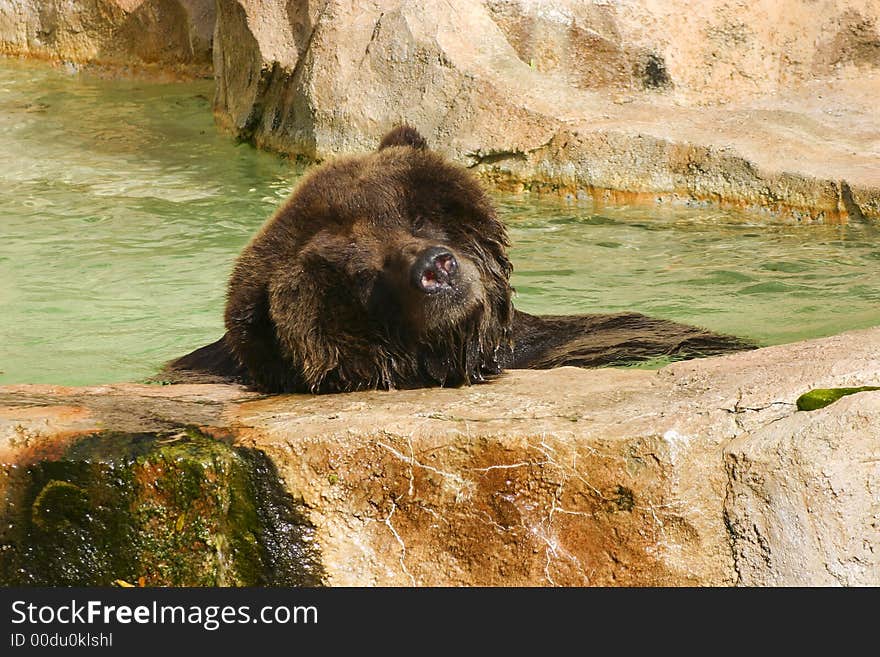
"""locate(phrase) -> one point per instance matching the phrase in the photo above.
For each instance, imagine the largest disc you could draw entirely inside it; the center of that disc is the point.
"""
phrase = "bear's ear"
(404, 135)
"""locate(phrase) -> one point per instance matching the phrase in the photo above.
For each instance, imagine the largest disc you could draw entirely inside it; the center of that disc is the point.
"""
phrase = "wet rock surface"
(701, 473)
(169, 508)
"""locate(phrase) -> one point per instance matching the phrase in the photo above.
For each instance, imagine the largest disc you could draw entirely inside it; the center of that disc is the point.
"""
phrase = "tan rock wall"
(733, 103)
(710, 51)
(173, 35)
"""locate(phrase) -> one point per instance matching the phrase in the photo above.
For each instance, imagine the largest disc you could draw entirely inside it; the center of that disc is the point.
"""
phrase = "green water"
(122, 210)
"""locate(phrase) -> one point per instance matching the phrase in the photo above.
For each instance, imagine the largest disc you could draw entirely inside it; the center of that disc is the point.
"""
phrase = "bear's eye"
(363, 278)
(363, 281)
(418, 223)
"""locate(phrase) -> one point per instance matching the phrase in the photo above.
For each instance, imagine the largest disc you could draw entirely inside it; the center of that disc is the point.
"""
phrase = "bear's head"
(387, 270)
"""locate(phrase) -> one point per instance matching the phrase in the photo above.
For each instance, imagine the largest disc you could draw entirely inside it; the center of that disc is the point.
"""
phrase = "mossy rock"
(822, 397)
(176, 509)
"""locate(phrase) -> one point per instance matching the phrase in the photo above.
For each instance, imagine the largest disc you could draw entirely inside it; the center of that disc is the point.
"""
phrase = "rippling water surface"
(122, 209)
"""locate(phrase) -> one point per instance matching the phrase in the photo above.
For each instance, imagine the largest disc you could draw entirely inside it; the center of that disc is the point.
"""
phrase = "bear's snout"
(435, 270)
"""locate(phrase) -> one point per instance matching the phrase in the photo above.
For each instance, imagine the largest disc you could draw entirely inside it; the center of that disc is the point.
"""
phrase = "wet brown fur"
(320, 300)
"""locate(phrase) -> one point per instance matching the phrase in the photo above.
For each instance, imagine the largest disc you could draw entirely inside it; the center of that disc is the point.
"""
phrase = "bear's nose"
(435, 269)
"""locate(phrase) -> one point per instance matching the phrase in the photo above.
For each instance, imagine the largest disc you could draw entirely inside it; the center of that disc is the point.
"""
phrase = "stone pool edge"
(701, 473)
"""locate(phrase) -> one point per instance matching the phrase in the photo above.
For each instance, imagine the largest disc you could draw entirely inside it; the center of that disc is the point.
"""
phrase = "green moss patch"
(171, 509)
(822, 397)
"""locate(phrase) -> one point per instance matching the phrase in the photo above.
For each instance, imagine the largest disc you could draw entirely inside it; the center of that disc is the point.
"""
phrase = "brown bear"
(390, 270)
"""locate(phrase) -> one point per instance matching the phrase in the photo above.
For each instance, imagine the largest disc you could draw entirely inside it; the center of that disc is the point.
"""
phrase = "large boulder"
(701, 473)
(771, 109)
